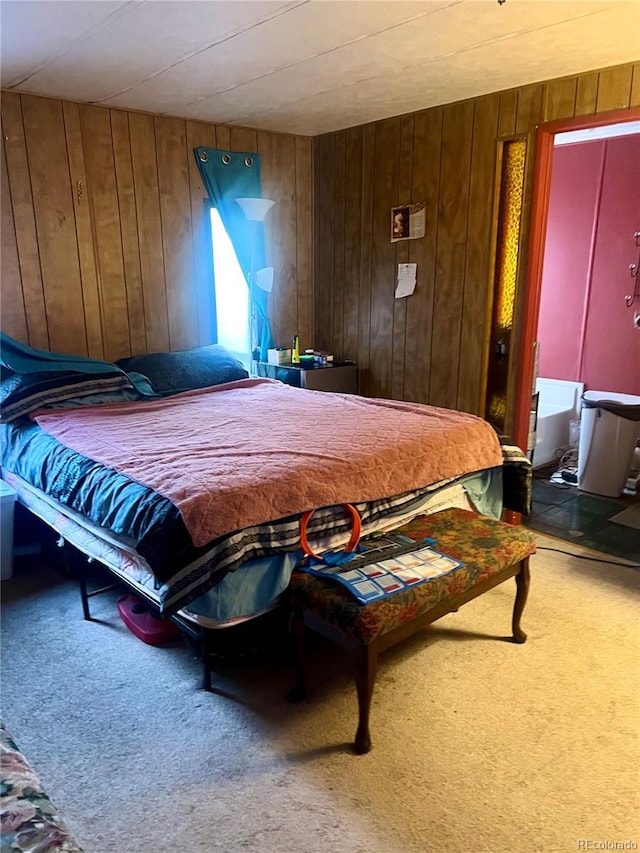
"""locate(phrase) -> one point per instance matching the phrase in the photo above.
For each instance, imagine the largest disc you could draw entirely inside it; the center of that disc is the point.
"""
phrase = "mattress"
(256, 585)
(147, 522)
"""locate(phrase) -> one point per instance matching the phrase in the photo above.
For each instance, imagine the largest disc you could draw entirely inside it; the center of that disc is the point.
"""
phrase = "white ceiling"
(303, 66)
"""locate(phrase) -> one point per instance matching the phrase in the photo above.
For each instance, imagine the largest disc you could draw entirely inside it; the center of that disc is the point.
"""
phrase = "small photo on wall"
(399, 223)
(407, 221)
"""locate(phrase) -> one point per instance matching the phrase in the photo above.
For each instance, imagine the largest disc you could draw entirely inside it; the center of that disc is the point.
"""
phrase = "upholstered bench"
(29, 821)
(490, 551)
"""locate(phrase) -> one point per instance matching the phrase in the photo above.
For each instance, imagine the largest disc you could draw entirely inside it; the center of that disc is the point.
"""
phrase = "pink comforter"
(254, 451)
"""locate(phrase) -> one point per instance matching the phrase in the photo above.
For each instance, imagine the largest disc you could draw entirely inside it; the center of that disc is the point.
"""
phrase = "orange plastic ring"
(356, 530)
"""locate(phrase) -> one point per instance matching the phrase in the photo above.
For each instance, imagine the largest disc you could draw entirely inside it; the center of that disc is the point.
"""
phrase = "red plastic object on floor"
(139, 619)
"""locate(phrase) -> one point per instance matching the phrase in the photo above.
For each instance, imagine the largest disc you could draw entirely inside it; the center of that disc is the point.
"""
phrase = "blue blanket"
(24, 359)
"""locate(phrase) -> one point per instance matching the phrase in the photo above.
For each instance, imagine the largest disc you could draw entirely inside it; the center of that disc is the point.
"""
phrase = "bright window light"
(232, 294)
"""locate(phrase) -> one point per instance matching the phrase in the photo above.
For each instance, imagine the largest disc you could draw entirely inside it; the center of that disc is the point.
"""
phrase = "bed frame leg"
(75, 567)
(522, 591)
(85, 598)
(206, 681)
(206, 662)
(296, 631)
(366, 667)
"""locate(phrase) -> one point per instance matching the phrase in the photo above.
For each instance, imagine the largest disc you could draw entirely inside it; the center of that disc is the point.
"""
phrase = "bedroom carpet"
(479, 746)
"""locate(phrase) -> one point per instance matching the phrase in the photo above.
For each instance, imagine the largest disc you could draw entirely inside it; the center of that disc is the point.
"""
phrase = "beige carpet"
(630, 517)
(480, 746)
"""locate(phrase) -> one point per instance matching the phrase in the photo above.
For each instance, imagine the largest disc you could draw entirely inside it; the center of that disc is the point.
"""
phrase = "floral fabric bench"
(491, 552)
(29, 821)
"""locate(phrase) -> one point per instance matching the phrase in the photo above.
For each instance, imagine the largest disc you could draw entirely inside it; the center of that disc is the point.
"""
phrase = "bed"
(187, 479)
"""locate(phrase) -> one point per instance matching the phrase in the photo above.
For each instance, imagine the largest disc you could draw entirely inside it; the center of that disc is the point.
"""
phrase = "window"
(231, 294)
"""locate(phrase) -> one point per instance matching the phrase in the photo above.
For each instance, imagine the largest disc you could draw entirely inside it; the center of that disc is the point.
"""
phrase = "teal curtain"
(228, 175)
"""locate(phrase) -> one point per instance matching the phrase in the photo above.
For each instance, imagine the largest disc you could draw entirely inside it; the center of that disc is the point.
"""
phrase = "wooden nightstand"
(341, 377)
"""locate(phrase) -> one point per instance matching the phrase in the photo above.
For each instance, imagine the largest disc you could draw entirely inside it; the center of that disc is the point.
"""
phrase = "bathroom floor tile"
(546, 494)
(574, 516)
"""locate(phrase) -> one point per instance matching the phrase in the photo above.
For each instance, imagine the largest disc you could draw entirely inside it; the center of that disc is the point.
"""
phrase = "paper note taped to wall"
(406, 280)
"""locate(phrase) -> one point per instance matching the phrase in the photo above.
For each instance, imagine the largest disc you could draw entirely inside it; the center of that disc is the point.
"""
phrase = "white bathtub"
(558, 405)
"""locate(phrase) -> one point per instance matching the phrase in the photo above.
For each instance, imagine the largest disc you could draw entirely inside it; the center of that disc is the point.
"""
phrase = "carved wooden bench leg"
(366, 668)
(490, 552)
(522, 591)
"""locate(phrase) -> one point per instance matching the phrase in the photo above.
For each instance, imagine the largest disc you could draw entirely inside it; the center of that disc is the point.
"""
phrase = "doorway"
(559, 509)
(537, 236)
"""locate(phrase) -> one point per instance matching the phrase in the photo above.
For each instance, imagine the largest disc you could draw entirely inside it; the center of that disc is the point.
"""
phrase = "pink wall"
(585, 330)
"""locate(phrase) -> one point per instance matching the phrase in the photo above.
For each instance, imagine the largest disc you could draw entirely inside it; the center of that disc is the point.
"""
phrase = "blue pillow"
(186, 370)
(21, 393)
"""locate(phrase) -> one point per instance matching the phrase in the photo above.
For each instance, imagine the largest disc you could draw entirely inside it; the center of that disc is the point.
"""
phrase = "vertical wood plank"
(14, 316)
(614, 88)
(323, 193)
(304, 238)
(352, 235)
(451, 254)
(403, 256)
(103, 198)
(145, 176)
(270, 189)
(126, 192)
(200, 134)
(508, 113)
(338, 245)
(383, 254)
(559, 100)
(425, 187)
(24, 220)
(587, 94)
(84, 230)
(223, 138)
(478, 283)
(529, 110)
(55, 224)
(366, 260)
(175, 214)
(242, 139)
(282, 237)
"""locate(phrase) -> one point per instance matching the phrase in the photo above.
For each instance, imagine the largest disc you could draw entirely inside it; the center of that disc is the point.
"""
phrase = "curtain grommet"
(226, 159)
(248, 161)
(203, 156)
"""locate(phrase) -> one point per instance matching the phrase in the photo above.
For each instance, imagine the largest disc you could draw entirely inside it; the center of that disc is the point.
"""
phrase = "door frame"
(545, 136)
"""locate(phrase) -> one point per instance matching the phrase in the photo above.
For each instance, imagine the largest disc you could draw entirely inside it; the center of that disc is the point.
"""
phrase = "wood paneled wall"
(104, 248)
(103, 231)
(432, 346)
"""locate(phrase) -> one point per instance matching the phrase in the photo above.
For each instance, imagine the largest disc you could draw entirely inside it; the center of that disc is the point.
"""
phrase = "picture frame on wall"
(407, 221)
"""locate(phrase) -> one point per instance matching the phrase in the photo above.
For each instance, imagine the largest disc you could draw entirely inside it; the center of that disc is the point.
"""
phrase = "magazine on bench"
(384, 565)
